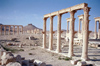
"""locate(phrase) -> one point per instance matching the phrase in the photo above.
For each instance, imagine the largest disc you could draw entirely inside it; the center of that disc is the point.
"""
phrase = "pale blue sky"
(23, 12)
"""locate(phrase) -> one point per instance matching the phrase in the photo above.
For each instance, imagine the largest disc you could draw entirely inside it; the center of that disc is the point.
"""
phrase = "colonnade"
(72, 11)
(97, 35)
(10, 27)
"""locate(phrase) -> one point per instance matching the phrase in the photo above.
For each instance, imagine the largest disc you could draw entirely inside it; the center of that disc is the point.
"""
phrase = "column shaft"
(44, 33)
(82, 27)
(9, 29)
(4, 30)
(22, 30)
(99, 31)
(67, 27)
(95, 30)
(79, 26)
(59, 34)
(85, 34)
(13, 30)
(1, 30)
(51, 34)
(71, 33)
(17, 29)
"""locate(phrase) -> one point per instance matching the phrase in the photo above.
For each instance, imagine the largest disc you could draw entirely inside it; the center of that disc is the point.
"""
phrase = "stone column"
(1, 29)
(67, 26)
(22, 30)
(17, 29)
(99, 31)
(82, 27)
(95, 34)
(59, 34)
(71, 33)
(44, 33)
(79, 26)
(9, 29)
(51, 34)
(4, 30)
(84, 56)
(13, 30)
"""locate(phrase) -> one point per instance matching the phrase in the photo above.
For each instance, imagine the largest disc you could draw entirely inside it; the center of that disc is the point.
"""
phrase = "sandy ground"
(49, 58)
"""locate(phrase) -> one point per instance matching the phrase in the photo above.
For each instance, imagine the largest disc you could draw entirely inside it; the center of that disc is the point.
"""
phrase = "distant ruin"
(13, 26)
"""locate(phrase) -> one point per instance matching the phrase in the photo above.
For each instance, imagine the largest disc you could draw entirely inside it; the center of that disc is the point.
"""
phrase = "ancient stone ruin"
(13, 28)
(85, 31)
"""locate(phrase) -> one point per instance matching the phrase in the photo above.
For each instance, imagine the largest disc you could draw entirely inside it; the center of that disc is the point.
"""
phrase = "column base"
(69, 55)
(50, 48)
(58, 51)
(85, 59)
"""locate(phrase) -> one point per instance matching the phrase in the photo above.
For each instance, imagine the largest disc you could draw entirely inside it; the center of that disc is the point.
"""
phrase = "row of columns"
(97, 35)
(71, 33)
(4, 26)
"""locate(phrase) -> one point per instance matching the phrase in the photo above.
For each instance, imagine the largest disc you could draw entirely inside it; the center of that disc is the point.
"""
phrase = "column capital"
(51, 16)
(73, 12)
(44, 18)
(59, 14)
(86, 9)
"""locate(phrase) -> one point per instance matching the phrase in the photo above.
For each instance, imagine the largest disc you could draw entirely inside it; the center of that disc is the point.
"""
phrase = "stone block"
(74, 62)
(83, 63)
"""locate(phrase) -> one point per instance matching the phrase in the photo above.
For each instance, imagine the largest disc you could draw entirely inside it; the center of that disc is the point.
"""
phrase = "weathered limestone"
(59, 34)
(51, 34)
(13, 64)
(36, 31)
(71, 31)
(1, 30)
(22, 29)
(39, 63)
(7, 57)
(85, 34)
(67, 33)
(4, 30)
(83, 63)
(17, 29)
(9, 29)
(13, 30)
(97, 35)
(80, 33)
(68, 20)
(44, 33)
(10, 26)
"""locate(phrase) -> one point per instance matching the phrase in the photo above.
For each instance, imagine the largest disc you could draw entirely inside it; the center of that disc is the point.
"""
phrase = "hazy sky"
(23, 12)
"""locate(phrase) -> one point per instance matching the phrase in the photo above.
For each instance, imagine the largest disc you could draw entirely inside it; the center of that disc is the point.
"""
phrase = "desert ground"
(33, 49)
